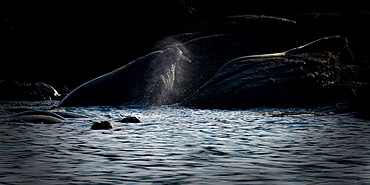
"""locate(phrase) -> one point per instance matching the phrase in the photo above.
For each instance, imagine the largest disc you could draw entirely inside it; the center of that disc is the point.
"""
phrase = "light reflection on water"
(180, 145)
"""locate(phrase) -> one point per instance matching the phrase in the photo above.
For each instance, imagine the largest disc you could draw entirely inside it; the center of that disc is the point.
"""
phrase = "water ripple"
(176, 145)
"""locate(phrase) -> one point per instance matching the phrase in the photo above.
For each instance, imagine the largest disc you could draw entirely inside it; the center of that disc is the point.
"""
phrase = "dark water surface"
(176, 145)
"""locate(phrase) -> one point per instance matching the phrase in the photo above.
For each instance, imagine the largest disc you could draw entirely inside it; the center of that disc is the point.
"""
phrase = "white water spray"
(167, 76)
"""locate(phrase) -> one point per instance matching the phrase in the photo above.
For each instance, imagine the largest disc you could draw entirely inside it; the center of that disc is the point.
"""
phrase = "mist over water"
(177, 145)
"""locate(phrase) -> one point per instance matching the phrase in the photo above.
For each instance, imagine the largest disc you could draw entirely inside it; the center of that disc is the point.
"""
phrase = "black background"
(68, 43)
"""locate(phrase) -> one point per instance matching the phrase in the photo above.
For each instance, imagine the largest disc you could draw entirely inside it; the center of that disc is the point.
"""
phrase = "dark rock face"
(310, 75)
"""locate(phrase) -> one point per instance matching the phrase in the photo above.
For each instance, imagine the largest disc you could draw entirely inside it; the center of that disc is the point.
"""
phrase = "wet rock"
(103, 125)
(130, 119)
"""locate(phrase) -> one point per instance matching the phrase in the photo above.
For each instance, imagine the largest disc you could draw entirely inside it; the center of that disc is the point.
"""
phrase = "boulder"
(103, 125)
(130, 119)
